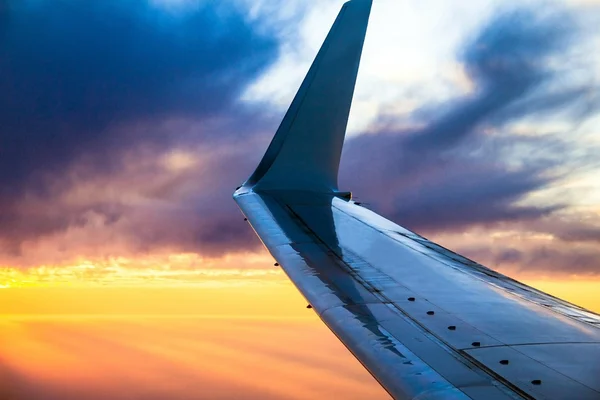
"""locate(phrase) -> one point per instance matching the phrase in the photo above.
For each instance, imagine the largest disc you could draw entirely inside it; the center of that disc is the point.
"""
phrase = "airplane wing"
(426, 322)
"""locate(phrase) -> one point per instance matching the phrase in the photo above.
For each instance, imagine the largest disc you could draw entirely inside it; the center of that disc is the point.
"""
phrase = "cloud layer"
(122, 133)
(88, 86)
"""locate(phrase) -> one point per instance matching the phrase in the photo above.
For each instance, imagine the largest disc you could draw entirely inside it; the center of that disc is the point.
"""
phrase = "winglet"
(305, 152)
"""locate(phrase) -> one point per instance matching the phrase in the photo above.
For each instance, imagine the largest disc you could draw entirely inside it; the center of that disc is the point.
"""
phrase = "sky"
(126, 125)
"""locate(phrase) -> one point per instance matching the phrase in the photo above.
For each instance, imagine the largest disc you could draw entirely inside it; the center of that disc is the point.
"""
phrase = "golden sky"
(245, 340)
(243, 334)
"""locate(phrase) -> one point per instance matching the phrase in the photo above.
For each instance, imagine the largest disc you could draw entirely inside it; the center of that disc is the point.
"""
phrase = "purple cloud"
(91, 111)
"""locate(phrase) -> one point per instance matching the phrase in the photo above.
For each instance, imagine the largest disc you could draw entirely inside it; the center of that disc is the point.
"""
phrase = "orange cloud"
(184, 269)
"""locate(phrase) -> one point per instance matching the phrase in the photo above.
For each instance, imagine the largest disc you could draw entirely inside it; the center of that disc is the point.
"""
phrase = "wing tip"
(305, 152)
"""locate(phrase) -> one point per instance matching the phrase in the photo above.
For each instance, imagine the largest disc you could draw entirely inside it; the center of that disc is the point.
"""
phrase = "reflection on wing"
(426, 322)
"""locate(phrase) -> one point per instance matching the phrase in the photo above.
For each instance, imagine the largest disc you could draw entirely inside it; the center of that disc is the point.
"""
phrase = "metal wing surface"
(426, 322)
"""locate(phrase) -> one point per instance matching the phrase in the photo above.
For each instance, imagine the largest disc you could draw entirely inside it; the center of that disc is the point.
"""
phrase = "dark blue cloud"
(506, 61)
(87, 79)
(70, 70)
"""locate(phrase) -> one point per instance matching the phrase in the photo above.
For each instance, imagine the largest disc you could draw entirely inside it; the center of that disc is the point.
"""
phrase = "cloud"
(84, 84)
(581, 233)
(463, 166)
(72, 71)
(135, 138)
(177, 199)
(463, 163)
(534, 258)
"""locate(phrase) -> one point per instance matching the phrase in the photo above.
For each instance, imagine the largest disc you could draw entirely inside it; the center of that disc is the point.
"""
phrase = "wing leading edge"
(427, 323)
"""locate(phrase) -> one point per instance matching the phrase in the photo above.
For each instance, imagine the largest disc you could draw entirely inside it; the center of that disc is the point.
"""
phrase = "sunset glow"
(220, 337)
(242, 339)
(127, 271)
